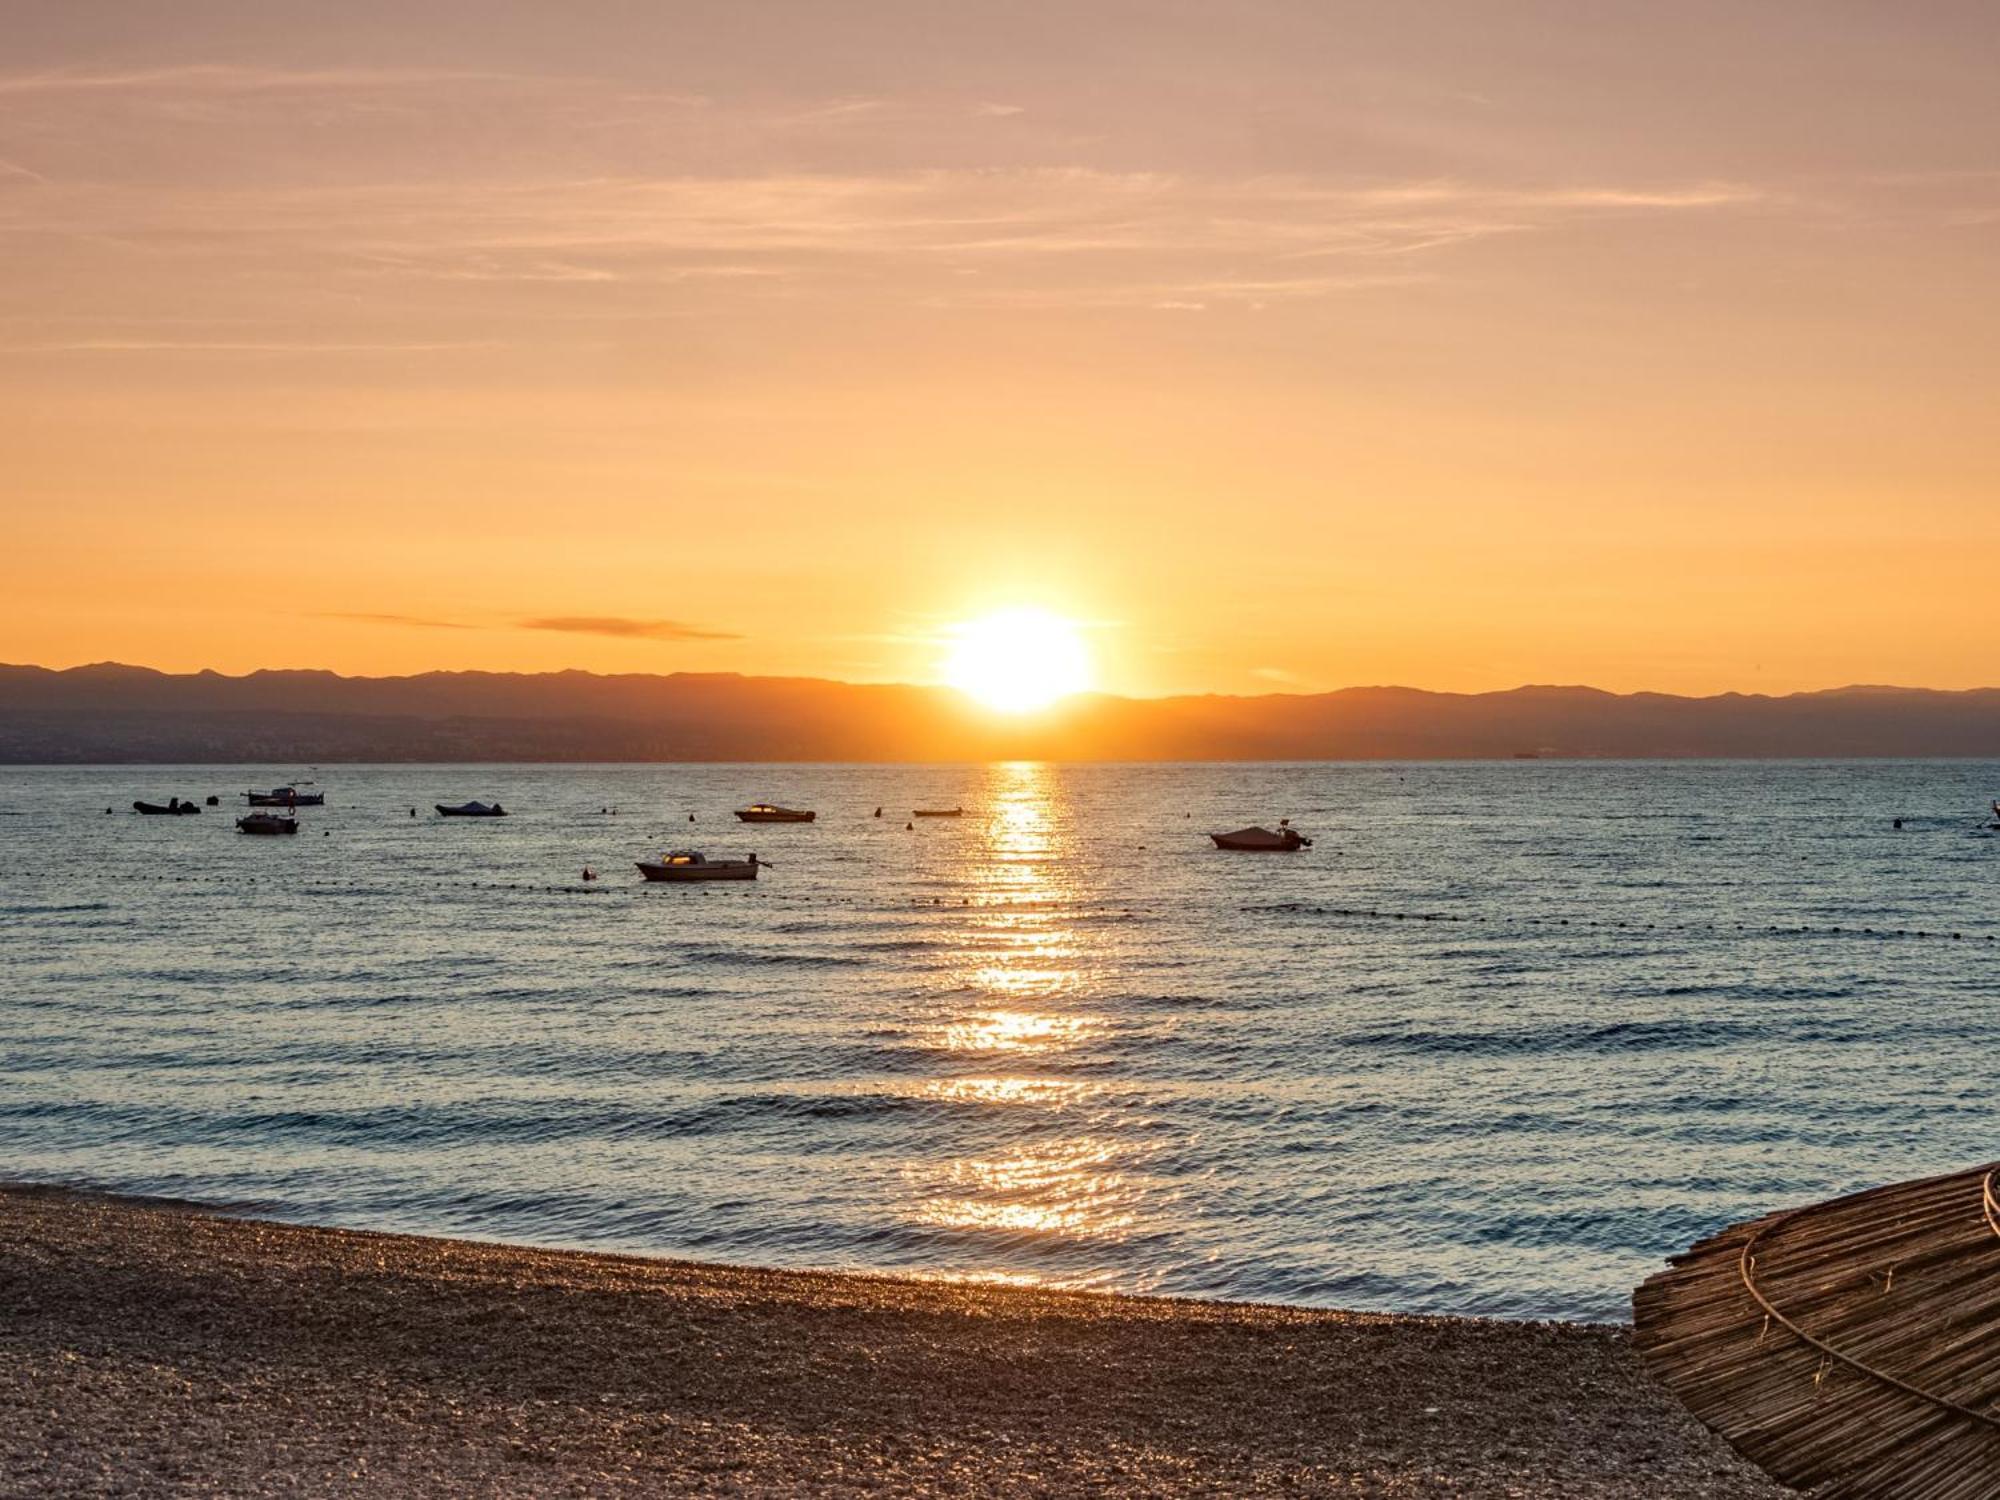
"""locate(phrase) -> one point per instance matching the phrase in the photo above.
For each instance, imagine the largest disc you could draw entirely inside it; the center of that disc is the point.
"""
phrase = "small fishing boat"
(471, 810)
(689, 864)
(173, 808)
(264, 822)
(286, 796)
(1255, 840)
(770, 812)
(938, 812)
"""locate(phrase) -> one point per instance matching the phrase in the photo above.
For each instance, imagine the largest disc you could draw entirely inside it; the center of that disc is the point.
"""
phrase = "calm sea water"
(1062, 1040)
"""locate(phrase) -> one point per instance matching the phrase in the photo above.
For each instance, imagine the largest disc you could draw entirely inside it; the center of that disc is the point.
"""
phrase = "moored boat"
(1255, 840)
(770, 812)
(691, 864)
(286, 796)
(173, 807)
(471, 810)
(938, 812)
(266, 822)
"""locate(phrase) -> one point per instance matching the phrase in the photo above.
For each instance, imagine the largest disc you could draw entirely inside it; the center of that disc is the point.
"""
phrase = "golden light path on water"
(1025, 970)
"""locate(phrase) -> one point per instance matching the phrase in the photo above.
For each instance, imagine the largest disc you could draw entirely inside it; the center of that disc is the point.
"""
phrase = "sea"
(1502, 1039)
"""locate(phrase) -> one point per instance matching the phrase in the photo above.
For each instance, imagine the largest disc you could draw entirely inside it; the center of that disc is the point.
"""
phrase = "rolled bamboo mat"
(1851, 1348)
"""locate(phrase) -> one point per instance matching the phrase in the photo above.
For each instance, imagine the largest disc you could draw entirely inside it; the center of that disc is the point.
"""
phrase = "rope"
(1746, 1266)
(1633, 926)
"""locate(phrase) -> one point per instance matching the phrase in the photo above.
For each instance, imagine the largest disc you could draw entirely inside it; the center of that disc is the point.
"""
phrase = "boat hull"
(743, 816)
(939, 812)
(301, 799)
(267, 825)
(160, 810)
(1282, 845)
(469, 812)
(674, 874)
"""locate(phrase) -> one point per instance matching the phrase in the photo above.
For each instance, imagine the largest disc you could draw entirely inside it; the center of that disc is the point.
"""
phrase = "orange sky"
(1287, 345)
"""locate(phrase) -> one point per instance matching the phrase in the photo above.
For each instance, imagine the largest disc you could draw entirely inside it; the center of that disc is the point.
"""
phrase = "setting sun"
(1018, 660)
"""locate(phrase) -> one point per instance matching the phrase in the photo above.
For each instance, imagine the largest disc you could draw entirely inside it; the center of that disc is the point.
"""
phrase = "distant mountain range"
(110, 713)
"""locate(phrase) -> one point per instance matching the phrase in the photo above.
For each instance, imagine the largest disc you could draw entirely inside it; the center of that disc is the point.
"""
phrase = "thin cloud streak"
(362, 617)
(214, 346)
(1091, 236)
(620, 626)
(225, 78)
(628, 628)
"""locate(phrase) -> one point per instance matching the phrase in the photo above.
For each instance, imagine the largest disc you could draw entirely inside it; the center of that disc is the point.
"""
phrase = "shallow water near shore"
(1506, 1036)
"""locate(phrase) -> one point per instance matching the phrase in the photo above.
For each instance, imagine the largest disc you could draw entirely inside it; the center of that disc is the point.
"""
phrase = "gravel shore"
(148, 1349)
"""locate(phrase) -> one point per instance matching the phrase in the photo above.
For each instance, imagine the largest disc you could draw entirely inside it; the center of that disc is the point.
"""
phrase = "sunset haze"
(1279, 347)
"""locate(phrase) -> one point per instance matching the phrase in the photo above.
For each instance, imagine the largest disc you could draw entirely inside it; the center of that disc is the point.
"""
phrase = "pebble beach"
(149, 1348)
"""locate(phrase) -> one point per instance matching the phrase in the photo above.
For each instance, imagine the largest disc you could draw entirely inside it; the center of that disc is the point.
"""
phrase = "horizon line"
(937, 687)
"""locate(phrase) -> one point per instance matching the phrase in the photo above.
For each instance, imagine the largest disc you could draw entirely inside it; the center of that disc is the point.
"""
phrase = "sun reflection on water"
(1049, 1091)
(1019, 952)
(1013, 1031)
(1063, 1186)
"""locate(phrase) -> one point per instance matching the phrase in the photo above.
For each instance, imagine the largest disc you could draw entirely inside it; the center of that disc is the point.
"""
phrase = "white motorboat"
(770, 812)
(691, 864)
(1256, 840)
(286, 796)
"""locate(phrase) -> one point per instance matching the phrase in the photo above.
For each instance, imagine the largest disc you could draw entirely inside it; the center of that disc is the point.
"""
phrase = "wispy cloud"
(361, 617)
(225, 78)
(239, 346)
(278, 182)
(629, 628)
(1092, 236)
(837, 111)
(622, 626)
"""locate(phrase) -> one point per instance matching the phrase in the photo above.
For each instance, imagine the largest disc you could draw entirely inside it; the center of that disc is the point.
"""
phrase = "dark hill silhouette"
(110, 712)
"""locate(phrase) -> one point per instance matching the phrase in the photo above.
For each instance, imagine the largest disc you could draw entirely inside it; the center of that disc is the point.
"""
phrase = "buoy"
(907, 827)
(1899, 823)
(588, 873)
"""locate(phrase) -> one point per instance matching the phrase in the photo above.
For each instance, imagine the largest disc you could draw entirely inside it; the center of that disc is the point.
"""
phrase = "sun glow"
(1018, 660)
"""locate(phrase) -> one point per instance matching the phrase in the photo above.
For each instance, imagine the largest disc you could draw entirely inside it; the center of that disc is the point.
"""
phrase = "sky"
(1283, 346)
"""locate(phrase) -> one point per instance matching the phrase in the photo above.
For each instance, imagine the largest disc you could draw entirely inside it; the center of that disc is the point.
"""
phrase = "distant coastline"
(114, 714)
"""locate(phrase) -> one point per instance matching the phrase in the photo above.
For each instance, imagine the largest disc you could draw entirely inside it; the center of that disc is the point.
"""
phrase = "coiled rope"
(1746, 1265)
